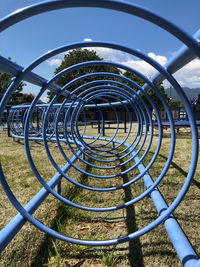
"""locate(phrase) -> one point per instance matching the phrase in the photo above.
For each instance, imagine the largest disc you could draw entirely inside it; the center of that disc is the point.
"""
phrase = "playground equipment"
(67, 123)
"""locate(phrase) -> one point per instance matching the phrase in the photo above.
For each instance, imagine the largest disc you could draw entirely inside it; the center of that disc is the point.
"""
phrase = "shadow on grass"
(179, 135)
(181, 170)
(178, 168)
(46, 249)
(135, 252)
(64, 212)
(196, 183)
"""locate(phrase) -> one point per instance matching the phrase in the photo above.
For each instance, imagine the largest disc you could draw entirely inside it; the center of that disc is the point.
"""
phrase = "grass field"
(31, 247)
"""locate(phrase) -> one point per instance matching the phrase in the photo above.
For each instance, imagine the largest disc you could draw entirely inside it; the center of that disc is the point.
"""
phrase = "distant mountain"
(190, 93)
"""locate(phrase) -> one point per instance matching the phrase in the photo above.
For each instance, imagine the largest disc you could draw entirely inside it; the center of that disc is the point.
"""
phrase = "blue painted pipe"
(184, 250)
(14, 226)
(60, 123)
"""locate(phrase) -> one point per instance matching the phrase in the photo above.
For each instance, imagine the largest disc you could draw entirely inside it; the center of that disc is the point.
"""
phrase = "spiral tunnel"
(91, 103)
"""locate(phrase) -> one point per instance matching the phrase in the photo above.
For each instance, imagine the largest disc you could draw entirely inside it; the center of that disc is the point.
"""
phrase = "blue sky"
(31, 38)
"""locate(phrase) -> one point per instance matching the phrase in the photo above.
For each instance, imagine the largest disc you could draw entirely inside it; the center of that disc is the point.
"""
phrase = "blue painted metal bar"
(181, 58)
(61, 123)
(184, 250)
(14, 69)
(125, 121)
(58, 187)
(14, 226)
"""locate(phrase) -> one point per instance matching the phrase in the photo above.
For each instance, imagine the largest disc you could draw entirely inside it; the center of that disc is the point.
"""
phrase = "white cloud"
(160, 59)
(106, 53)
(87, 40)
(44, 98)
(143, 67)
(54, 62)
(190, 74)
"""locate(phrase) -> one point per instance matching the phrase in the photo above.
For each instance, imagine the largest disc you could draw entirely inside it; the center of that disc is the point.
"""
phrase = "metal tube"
(184, 250)
(13, 227)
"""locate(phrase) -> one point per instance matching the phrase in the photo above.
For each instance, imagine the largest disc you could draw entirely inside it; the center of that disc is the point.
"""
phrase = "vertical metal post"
(8, 124)
(125, 121)
(179, 111)
(103, 123)
(148, 122)
(113, 144)
(186, 116)
(37, 119)
(165, 116)
(22, 118)
(58, 187)
(98, 120)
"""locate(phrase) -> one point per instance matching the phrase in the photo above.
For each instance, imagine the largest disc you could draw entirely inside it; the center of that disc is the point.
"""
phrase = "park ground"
(31, 247)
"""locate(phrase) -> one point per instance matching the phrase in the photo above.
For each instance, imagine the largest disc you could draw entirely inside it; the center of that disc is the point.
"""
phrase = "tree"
(74, 57)
(5, 81)
(134, 78)
(176, 103)
(26, 98)
(151, 92)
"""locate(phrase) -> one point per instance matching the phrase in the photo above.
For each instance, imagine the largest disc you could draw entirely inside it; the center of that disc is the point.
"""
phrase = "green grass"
(33, 248)
(109, 258)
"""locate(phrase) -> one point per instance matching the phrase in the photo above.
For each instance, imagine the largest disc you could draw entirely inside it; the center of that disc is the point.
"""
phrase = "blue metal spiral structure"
(67, 123)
